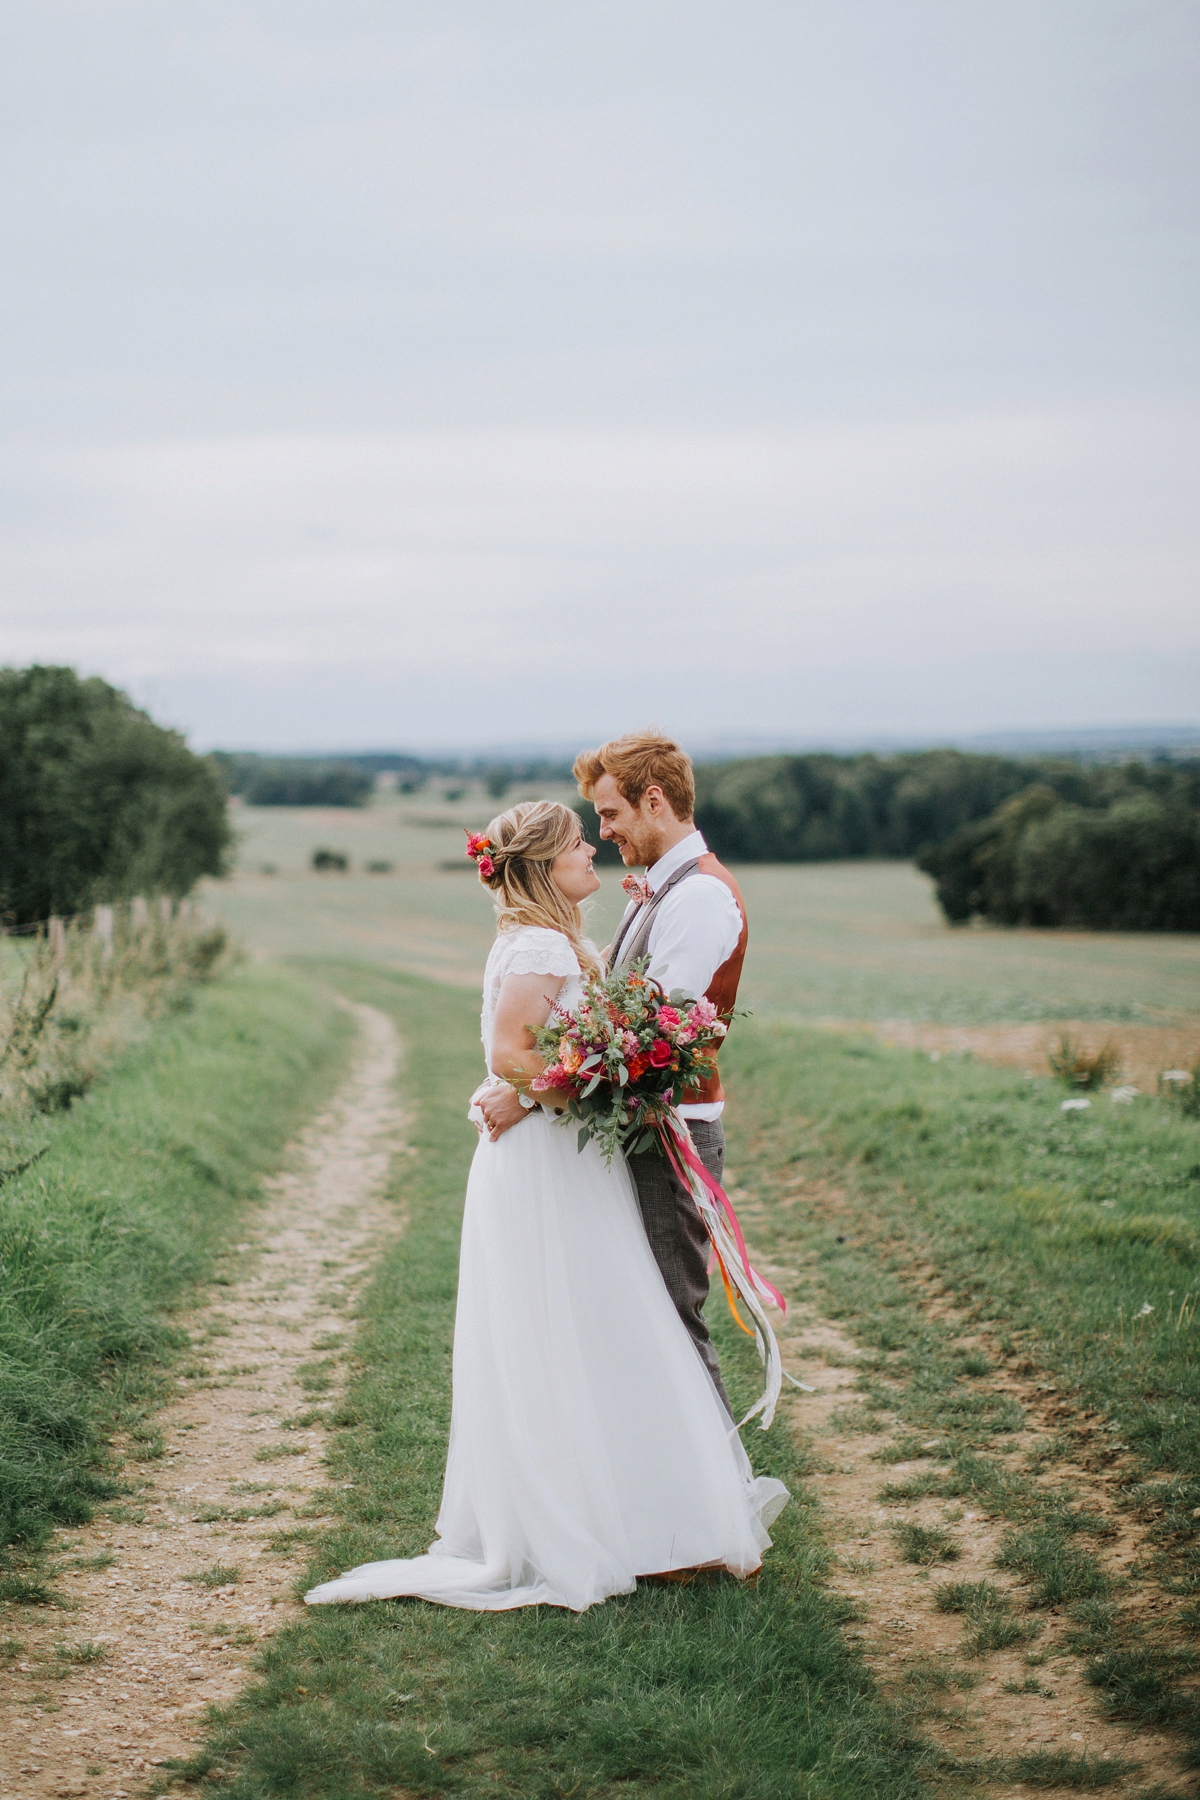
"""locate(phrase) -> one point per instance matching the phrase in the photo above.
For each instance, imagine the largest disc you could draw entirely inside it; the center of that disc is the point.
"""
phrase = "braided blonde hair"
(524, 843)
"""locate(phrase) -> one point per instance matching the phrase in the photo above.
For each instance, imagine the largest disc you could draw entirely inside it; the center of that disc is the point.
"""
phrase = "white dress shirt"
(693, 931)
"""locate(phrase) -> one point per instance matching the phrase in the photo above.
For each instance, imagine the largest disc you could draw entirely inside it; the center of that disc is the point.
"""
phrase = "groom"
(691, 923)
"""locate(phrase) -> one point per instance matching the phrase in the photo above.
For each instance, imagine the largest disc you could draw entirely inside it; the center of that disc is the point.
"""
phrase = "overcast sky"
(413, 375)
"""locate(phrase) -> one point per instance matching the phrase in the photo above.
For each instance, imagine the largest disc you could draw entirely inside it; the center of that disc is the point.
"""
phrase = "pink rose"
(668, 1018)
(660, 1053)
(487, 867)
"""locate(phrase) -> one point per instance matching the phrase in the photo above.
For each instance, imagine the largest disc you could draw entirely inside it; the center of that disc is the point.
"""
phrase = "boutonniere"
(637, 890)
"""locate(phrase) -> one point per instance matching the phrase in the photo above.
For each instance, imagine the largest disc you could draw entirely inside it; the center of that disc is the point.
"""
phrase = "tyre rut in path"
(223, 1481)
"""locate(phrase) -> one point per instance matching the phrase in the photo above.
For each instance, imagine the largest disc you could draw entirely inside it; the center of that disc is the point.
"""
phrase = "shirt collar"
(685, 851)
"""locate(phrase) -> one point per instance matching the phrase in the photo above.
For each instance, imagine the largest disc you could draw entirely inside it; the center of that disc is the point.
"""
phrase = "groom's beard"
(642, 850)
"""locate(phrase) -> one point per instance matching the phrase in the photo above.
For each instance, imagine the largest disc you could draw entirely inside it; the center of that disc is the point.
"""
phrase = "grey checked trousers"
(677, 1236)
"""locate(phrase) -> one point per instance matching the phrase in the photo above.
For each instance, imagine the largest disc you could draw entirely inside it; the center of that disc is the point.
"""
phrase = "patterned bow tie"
(637, 890)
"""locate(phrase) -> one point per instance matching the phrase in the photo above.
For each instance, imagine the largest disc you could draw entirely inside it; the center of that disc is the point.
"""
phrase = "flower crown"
(479, 849)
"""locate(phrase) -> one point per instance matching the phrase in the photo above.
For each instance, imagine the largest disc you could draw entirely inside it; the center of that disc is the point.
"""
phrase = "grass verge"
(124, 1210)
(707, 1692)
(1065, 1242)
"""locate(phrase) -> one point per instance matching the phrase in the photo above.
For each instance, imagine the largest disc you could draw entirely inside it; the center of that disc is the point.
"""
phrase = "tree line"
(1017, 841)
(293, 780)
(349, 780)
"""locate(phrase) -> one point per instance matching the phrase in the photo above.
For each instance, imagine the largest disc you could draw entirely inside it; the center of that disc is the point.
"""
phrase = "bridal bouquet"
(623, 1058)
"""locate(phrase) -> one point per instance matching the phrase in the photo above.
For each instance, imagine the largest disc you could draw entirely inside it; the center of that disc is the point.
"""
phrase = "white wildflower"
(1074, 1106)
(1144, 1309)
(1123, 1095)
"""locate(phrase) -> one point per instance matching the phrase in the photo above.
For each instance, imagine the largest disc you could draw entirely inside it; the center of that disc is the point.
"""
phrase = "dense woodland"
(1128, 862)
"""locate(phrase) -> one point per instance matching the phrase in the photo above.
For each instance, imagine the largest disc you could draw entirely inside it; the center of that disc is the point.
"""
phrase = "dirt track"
(227, 1480)
(239, 1472)
(916, 1651)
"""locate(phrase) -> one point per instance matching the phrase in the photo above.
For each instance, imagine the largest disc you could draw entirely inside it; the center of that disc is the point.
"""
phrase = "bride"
(588, 1445)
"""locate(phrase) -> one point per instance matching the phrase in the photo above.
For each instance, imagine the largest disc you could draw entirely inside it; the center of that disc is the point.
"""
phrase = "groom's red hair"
(637, 761)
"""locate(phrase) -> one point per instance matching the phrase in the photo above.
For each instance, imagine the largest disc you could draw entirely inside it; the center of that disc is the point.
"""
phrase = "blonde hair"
(524, 843)
(637, 761)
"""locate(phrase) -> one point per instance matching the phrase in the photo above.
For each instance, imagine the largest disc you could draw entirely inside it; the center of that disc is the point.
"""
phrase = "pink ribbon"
(723, 1201)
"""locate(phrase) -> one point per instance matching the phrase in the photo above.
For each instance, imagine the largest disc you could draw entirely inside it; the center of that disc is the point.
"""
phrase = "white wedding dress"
(587, 1443)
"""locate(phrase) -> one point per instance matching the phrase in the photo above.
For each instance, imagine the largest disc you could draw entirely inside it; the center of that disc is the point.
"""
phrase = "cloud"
(475, 562)
(373, 367)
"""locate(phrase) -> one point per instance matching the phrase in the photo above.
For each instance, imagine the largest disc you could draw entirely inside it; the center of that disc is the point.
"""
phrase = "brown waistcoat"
(722, 989)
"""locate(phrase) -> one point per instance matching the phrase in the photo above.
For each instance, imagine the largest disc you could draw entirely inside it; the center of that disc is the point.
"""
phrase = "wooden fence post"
(139, 913)
(103, 928)
(56, 932)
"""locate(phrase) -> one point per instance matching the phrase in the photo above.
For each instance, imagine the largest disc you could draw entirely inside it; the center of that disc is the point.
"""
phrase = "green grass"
(1067, 1240)
(1059, 1570)
(926, 1545)
(81, 1654)
(745, 1694)
(124, 1213)
(989, 1614)
(1060, 1769)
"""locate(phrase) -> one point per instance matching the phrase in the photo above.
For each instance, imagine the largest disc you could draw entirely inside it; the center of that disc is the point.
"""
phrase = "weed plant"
(123, 1212)
(715, 1692)
(1081, 1068)
(70, 1003)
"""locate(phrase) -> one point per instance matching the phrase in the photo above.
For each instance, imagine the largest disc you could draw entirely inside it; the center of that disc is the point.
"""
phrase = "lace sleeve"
(536, 950)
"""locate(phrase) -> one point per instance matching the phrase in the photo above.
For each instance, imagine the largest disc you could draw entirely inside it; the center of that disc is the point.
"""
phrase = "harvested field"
(1144, 1050)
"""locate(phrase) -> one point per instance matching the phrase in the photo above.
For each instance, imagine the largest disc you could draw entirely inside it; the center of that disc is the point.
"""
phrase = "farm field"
(838, 943)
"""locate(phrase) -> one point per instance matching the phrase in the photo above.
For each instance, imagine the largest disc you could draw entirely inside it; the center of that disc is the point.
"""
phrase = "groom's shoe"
(707, 1572)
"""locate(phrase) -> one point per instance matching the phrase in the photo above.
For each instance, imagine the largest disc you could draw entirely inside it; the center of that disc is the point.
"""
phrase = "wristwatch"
(526, 1100)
